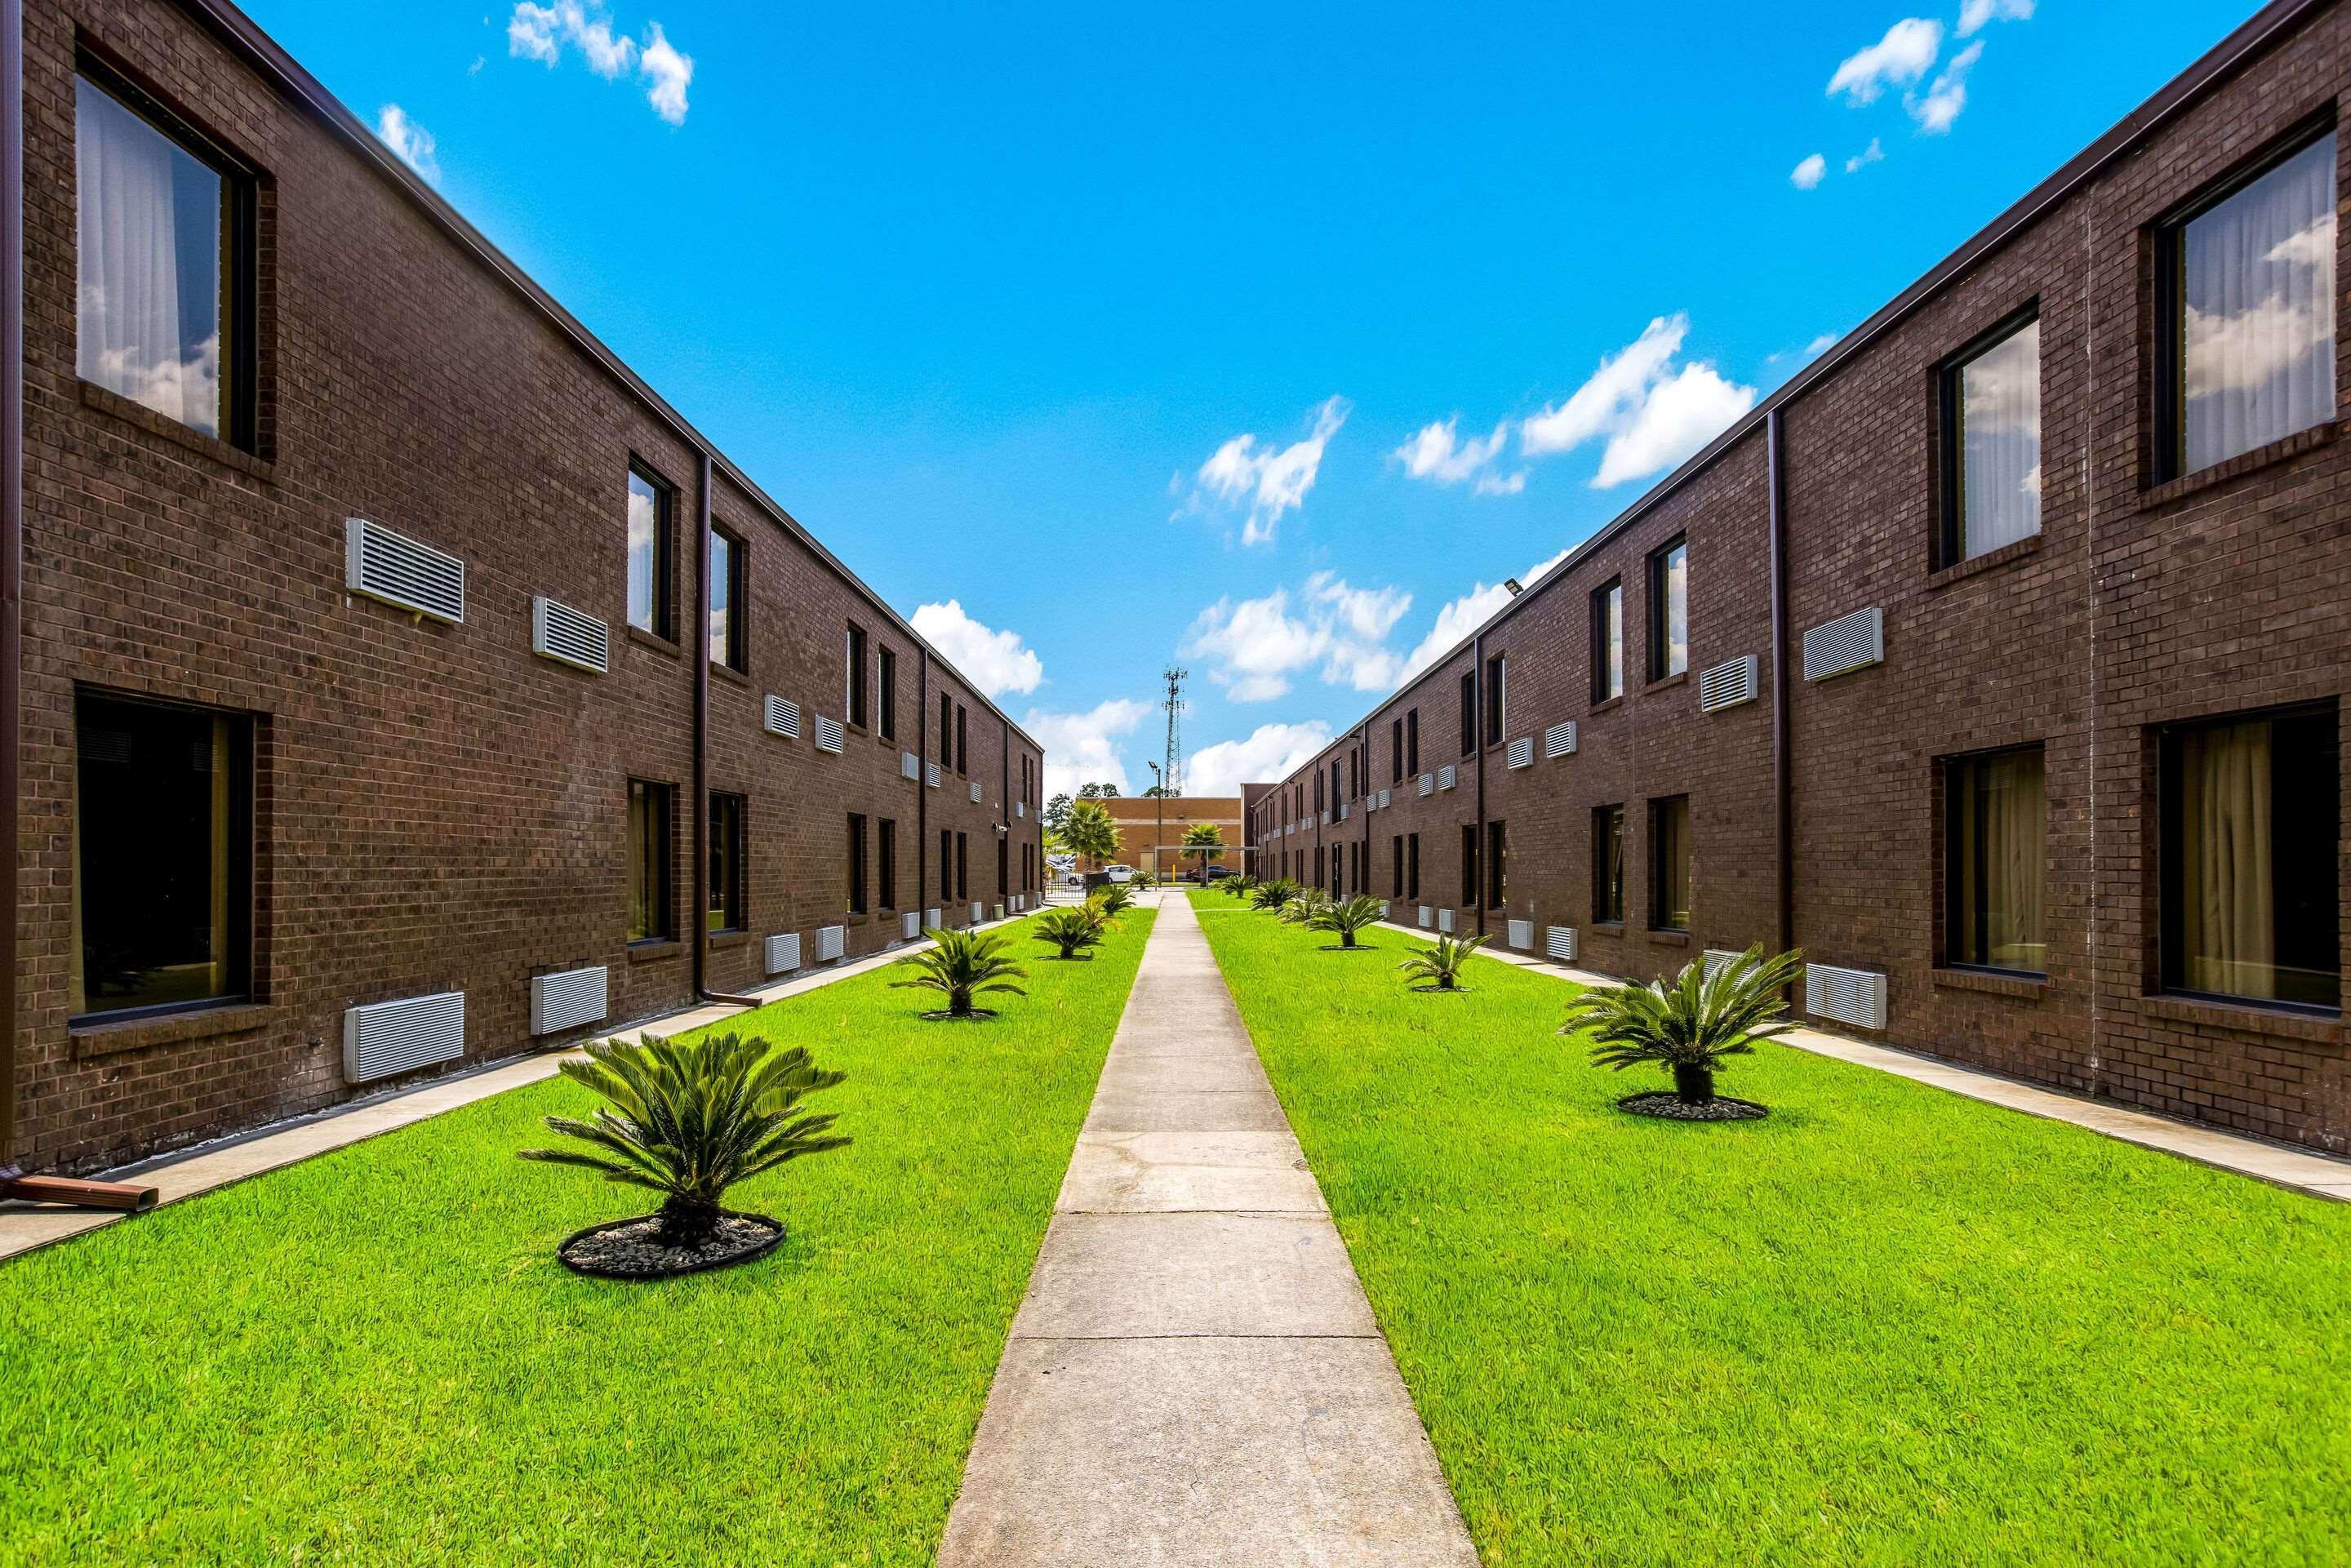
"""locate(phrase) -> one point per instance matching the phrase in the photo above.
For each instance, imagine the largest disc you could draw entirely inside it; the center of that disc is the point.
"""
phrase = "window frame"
(1471, 887)
(737, 632)
(1950, 478)
(1659, 650)
(886, 690)
(1608, 847)
(664, 563)
(1498, 864)
(856, 652)
(1469, 711)
(1607, 679)
(734, 812)
(1497, 695)
(1947, 913)
(664, 867)
(854, 904)
(1658, 806)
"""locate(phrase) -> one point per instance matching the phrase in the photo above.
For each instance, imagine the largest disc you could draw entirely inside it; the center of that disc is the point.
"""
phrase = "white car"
(1119, 872)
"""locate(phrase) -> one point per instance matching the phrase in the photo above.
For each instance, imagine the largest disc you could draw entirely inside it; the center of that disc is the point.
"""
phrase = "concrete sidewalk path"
(1195, 1377)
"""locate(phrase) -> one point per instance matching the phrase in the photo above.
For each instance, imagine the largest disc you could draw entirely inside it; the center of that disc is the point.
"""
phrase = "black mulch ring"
(629, 1249)
(1442, 990)
(1358, 948)
(1665, 1103)
(977, 1015)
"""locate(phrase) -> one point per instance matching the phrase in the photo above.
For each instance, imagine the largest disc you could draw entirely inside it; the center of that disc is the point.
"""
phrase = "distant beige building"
(1142, 837)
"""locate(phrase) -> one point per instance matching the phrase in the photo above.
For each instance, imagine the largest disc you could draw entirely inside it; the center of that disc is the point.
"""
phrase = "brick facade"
(437, 809)
(2139, 603)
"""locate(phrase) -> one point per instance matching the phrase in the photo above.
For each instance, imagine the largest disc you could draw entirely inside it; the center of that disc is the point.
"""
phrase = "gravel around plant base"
(1666, 1104)
(629, 1250)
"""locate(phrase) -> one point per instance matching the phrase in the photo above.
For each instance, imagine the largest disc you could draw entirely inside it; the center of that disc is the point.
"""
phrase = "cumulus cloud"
(1270, 751)
(1461, 616)
(1258, 645)
(542, 33)
(1975, 13)
(1899, 59)
(1437, 453)
(1946, 95)
(997, 662)
(1820, 345)
(1654, 410)
(1873, 154)
(411, 141)
(1083, 748)
(1262, 482)
(1807, 174)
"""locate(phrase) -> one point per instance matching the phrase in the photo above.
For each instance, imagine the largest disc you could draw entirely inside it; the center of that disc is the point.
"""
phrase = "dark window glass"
(652, 911)
(853, 679)
(1608, 641)
(1608, 864)
(1669, 610)
(1468, 712)
(652, 554)
(855, 903)
(1497, 683)
(727, 601)
(947, 865)
(163, 856)
(1994, 861)
(1396, 751)
(2251, 852)
(1003, 863)
(963, 866)
(1395, 849)
(1412, 865)
(963, 751)
(1992, 444)
(885, 865)
(1669, 864)
(726, 868)
(947, 730)
(1412, 741)
(1498, 866)
(1470, 865)
(890, 708)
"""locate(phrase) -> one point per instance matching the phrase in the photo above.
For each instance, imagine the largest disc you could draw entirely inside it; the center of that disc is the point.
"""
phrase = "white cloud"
(1436, 452)
(1820, 345)
(1259, 643)
(1897, 59)
(1975, 13)
(995, 661)
(1272, 751)
(1807, 174)
(542, 33)
(409, 140)
(1873, 154)
(1652, 412)
(1269, 481)
(1493, 483)
(1461, 616)
(1946, 95)
(1081, 748)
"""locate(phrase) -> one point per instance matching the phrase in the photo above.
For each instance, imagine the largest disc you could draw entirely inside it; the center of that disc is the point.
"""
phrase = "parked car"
(1211, 874)
(1119, 872)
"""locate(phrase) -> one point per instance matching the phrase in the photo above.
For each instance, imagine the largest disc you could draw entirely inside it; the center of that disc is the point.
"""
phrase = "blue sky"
(1097, 340)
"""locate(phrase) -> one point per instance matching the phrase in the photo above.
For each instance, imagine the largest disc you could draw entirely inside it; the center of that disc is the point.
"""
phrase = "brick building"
(1997, 660)
(358, 658)
(1150, 829)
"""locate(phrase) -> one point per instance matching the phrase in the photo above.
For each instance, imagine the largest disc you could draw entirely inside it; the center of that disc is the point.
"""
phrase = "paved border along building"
(363, 724)
(1997, 660)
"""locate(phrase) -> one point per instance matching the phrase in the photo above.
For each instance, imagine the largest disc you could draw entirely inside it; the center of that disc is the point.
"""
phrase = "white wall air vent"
(1445, 920)
(1716, 957)
(569, 636)
(1383, 909)
(910, 925)
(398, 570)
(1020, 808)
(1522, 752)
(783, 717)
(1856, 996)
(1448, 776)
(909, 766)
(1428, 783)
(382, 1038)
(1851, 641)
(1326, 818)
(975, 794)
(1522, 933)
(1385, 799)
(829, 736)
(930, 775)
(1728, 684)
(1559, 942)
(1559, 740)
(829, 942)
(1000, 911)
(931, 921)
(567, 999)
(783, 952)
(1342, 811)
(1427, 917)
(975, 913)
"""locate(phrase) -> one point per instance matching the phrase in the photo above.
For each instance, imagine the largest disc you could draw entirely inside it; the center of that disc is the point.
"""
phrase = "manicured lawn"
(374, 1357)
(1887, 1325)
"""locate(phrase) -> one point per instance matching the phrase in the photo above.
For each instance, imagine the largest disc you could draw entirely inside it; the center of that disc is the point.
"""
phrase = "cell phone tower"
(1172, 766)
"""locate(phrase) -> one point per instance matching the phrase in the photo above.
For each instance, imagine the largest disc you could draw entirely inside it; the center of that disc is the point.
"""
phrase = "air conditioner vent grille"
(975, 793)
(829, 942)
(1445, 920)
(1428, 783)
(909, 766)
(398, 570)
(381, 1039)
(1559, 942)
(1427, 917)
(1522, 933)
(910, 925)
(930, 775)
(1559, 740)
(1448, 776)
(567, 999)
(783, 717)
(829, 736)
(783, 952)
(1856, 996)
(1849, 643)
(1728, 684)
(1522, 753)
(569, 636)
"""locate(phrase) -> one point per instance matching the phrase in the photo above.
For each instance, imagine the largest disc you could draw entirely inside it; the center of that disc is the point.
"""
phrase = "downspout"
(922, 789)
(1783, 808)
(1477, 736)
(699, 634)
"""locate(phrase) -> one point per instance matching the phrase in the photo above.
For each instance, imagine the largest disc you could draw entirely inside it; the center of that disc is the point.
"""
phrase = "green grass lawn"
(374, 1357)
(1887, 1325)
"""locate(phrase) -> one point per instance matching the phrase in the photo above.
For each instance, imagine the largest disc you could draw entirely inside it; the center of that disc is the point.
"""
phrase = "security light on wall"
(1514, 585)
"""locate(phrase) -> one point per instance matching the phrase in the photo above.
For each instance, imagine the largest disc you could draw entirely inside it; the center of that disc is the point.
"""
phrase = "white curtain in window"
(150, 265)
(2257, 275)
(1999, 425)
(2227, 914)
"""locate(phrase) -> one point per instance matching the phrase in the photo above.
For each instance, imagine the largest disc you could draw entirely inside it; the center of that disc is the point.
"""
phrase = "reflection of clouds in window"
(2000, 438)
(645, 524)
(1677, 609)
(2257, 323)
(148, 239)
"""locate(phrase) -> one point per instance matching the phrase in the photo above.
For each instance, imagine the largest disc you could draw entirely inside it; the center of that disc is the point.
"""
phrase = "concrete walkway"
(1195, 1376)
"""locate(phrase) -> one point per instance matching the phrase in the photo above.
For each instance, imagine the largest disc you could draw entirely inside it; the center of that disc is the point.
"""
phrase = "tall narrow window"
(1669, 610)
(653, 552)
(1608, 641)
(1992, 444)
(726, 861)
(1497, 683)
(1396, 751)
(947, 730)
(165, 259)
(1469, 888)
(162, 856)
(652, 911)
(889, 665)
(1468, 712)
(2247, 295)
(1003, 867)
(2251, 850)
(963, 866)
(1412, 865)
(853, 677)
(855, 903)
(727, 601)
(947, 863)
(885, 862)
(1395, 850)
(1412, 741)
(963, 750)
(1608, 864)
(1669, 864)
(1993, 861)
(1498, 866)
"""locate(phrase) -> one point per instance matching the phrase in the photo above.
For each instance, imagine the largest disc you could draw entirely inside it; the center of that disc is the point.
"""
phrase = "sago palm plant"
(1114, 899)
(1345, 917)
(1071, 929)
(1440, 966)
(1705, 1015)
(1273, 894)
(690, 1118)
(1305, 904)
(960, 965)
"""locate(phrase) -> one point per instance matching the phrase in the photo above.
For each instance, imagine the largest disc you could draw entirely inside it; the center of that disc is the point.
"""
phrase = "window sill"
(728, 938)
(102, 1037)
(647, 952)
(172, 430)
(1663, 938)
(2237, 467)
(1666, 682)
(1604, 704)
(1606, 928)
(2310, 1027)
(1993, 982)
(658, 644)
(1992, 559)
(728, 672)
